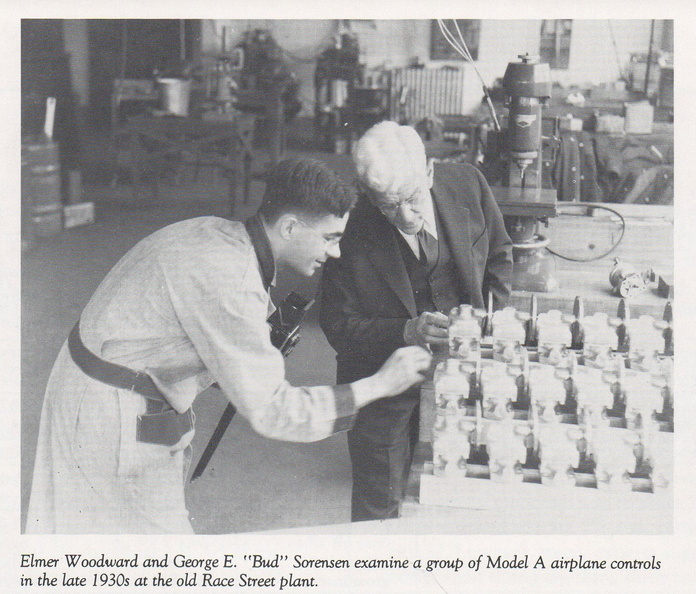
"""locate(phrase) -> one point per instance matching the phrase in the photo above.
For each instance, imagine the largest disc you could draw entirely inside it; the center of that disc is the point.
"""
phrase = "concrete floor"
(252, 483)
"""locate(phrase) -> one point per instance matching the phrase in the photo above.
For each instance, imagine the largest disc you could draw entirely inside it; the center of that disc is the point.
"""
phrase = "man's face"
(404, 208)
(315, 240)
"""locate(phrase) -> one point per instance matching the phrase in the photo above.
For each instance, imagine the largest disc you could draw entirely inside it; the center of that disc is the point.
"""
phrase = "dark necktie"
(428, 249)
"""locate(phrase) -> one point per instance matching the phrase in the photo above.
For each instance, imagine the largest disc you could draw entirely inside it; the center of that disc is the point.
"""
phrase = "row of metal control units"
(562, 400)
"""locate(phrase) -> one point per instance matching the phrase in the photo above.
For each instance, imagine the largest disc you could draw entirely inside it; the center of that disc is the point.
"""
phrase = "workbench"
(648, 242)
(161, 143)
(269, 107)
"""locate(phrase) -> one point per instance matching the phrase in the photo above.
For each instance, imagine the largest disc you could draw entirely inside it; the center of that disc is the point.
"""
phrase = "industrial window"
(554, 45)
(440, 49)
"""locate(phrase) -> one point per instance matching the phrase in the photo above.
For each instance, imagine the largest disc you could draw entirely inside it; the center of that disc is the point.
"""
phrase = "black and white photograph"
(351, 304)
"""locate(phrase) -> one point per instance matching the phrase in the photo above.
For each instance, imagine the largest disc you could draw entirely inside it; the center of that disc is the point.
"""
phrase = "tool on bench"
(627, 282)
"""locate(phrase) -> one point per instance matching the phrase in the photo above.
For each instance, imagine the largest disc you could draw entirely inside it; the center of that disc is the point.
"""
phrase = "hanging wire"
(483, 84)
(463, 51)
(591, 206)
(460, 49)
(466, 48)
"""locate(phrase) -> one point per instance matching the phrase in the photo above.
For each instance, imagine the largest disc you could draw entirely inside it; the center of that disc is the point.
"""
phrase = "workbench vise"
(517, 186)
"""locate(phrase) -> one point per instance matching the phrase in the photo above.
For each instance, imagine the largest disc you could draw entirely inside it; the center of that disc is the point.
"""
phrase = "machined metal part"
(627, 281)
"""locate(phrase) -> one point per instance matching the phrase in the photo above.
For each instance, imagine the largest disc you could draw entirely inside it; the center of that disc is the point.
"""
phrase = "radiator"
(431, 92)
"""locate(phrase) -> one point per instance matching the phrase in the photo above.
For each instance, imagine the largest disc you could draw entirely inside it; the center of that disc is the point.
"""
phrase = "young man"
(420, 241)
(185, 307)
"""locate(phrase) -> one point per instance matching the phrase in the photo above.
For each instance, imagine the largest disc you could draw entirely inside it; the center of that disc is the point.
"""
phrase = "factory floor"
(252, 483)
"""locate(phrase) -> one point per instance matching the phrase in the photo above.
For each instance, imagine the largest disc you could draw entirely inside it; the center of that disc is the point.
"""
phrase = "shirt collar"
(429, 216)
(262, 247)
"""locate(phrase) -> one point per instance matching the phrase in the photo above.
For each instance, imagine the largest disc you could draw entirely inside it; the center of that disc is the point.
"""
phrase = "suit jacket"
(366, 295)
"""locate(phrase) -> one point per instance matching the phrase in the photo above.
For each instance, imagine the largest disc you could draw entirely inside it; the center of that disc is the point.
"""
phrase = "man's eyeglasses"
(330, 241)
(392, 208)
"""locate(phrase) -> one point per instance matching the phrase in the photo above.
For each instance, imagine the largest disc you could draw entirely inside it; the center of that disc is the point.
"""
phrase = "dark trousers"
(381, 444)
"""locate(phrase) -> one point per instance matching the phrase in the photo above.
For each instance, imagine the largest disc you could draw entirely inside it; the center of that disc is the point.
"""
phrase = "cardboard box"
(75, 215)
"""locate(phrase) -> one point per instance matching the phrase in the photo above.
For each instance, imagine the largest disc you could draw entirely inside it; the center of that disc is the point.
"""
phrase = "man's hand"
(427, 328)
(404, 368)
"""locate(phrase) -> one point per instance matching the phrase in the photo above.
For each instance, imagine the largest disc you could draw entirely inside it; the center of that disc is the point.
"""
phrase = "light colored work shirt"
(187, 305)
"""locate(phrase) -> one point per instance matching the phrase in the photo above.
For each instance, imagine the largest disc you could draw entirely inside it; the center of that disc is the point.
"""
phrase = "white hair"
(390, 158)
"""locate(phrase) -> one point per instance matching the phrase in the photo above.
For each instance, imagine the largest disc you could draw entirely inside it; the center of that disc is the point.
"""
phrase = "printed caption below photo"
(277, 572)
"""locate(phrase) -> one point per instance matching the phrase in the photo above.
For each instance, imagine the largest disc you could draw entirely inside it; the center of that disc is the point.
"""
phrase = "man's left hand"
(428, 328)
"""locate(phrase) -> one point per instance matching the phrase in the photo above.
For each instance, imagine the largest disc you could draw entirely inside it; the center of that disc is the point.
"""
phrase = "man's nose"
(405, 213)
(334, 251)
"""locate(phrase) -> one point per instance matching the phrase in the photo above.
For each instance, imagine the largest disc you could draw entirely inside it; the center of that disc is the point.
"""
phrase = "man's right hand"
(427, 328)
(404, 368)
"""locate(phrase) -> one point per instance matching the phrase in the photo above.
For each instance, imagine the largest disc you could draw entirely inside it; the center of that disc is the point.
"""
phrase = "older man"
(421, 240)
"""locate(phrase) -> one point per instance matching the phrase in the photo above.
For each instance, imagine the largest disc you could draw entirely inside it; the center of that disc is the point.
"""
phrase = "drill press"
(518, 189)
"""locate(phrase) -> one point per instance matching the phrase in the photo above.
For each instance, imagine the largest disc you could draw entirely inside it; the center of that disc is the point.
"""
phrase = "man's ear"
(286, 225)
(429, 170)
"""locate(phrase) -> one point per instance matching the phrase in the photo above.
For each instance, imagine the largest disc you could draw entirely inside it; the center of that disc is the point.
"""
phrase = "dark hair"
(308, 186)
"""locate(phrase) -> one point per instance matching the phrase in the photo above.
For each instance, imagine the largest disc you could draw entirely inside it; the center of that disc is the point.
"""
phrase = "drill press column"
(522, 200)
